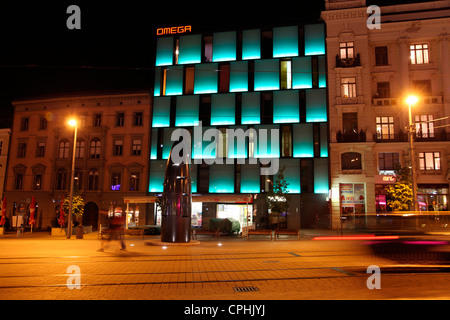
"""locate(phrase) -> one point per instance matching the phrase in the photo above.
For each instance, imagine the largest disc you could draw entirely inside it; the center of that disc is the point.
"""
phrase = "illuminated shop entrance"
(353, 205)
(239, 212)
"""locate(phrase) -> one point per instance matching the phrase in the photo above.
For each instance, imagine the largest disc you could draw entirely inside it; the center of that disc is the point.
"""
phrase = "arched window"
(93, 180)
(79, 151)
(351, 161)
(63, 151)
(95, 149)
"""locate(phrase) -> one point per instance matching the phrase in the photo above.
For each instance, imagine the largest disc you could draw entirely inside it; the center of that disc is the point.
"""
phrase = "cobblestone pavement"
(36, 267)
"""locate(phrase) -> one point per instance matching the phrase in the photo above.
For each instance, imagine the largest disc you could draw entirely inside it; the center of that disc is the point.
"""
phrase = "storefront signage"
(389, 178)
(173, 30)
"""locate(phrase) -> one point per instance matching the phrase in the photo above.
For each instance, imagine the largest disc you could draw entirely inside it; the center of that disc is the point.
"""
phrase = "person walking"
(115, 231)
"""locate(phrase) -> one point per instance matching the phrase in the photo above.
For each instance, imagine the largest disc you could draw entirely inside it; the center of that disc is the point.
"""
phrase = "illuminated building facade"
(110, 156)
(270, 79)
(371, 73)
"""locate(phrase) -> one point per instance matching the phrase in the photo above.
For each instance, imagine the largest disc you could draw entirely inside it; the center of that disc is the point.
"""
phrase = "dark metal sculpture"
(176, 200)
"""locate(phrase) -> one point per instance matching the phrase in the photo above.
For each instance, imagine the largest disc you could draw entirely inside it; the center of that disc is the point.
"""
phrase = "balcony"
(351, 136)
(348, 62)
(440, 135)
(427, 100)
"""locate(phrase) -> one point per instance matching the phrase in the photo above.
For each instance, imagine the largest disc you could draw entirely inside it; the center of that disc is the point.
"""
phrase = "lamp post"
(412, 100)
(72, 123)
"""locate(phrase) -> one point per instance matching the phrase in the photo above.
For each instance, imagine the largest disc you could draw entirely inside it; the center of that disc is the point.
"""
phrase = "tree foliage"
(400, 193)
(277, 196)
(77, 205)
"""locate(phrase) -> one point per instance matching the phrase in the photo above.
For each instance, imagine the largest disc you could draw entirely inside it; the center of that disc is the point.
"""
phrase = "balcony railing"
(348, 62)
(351, 136)
(380, 102)
(441, 135)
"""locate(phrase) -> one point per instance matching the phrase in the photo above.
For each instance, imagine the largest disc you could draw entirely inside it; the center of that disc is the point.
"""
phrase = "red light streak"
(357, 237)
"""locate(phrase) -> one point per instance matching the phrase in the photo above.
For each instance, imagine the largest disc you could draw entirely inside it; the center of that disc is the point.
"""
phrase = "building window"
(18, 181)
(43, 123)
(40, 149)
(95, 149)
(136, 147)
(79, 150)
(430, 160)
(419, 53)
(93, 180)
(37, 181)
(385, 128)
(383, 90)
(63, 151)
(118, 147)
(97, 120)
(286, 74)
(424, 126)
(21, 150)
(78, 180)
(351, 161)
(24, 124)
(346, 50)
(208, 46)
(286, 141)
(61, 177)
(422, 87)
(348, 87)
(115, 181)
(350, 126)
(189, 80)
(381, 56)
(138, 119)
(388, 161)
(134, 181)
(120, 119)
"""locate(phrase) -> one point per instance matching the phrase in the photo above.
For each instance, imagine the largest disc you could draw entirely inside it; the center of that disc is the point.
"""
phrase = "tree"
(277, 197)
(77, 205)
(400, 193)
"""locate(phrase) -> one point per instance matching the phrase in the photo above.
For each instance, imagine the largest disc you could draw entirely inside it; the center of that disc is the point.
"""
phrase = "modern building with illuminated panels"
(267, 78)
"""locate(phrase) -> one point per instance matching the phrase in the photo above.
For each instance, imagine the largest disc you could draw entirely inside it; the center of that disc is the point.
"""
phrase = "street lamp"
(72, 123)
(412, 100)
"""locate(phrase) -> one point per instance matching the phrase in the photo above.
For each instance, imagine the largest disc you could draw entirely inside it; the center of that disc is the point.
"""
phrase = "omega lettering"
(173, 30)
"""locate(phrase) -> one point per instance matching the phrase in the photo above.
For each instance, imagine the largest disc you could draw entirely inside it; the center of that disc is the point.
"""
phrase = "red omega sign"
(173, 30)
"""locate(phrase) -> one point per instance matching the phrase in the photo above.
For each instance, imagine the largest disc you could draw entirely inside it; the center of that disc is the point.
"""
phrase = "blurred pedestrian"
(115, 231)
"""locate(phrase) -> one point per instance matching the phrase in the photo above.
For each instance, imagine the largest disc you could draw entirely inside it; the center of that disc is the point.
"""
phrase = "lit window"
(286, 74)
(419, 53)
(385, 128)
(346, 50)
(115, 181)
(424, 126)
(430, 160)
(348, 87)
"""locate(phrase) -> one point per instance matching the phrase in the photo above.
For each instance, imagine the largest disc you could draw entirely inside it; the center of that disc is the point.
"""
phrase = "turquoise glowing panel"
(291, 174)
(190, 49)
(267, 144)
(239, 76)
(301, 73)
(221, 178)
(285, 42)
(164, 51)
(187, 112)
(157, 84)
(223, 109)
(323, 140)
(251, 112)
(321, 184)
(267, 75)
(322, 72)
(161, 112)
(154, 144)
(237, 140)
(250, 178)
(314, 39)
(251, 44)
(316, 105)
(224, 46)
(157, 173)
(286, 107)
(167, 142)
(205, 78)
(174, 81)
(193, 168)
(303, 140)
(204, 144)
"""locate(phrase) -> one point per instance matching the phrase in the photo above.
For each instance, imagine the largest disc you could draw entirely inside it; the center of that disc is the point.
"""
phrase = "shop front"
(432, 197)
(353, 205)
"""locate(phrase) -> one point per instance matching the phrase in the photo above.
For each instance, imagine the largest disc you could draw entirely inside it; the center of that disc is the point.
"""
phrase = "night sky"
(114, 50)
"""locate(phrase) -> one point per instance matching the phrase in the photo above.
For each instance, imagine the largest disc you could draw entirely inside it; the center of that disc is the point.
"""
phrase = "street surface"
(41, 267)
